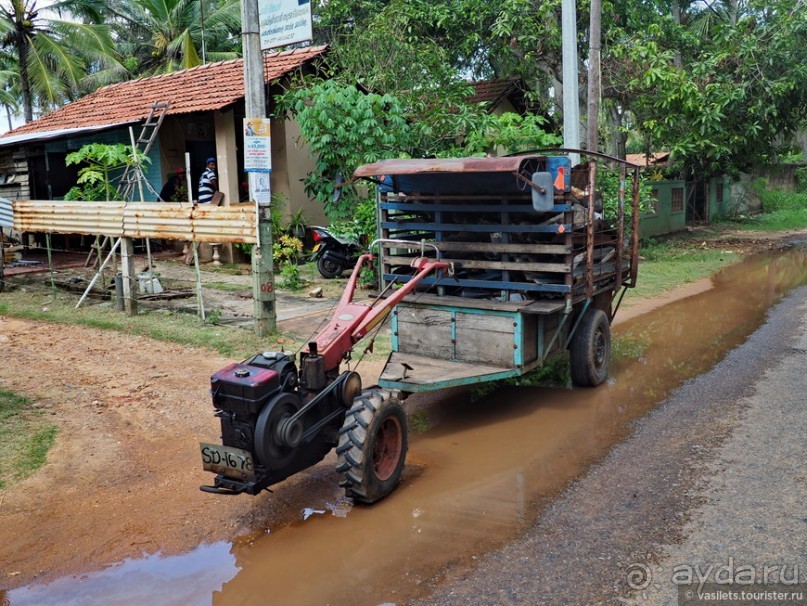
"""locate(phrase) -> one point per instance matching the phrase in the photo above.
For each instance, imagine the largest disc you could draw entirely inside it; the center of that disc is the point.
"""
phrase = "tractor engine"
(263, 437)
(276, 421)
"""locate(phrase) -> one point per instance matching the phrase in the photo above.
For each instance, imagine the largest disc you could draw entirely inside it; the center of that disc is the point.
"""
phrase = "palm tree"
(162, 36)
(55, 56)
(9, 86)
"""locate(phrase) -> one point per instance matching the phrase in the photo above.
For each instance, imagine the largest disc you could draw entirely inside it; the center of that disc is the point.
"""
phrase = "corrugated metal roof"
(208, 87)
(6, 213)
(54, 134)
(204, 223)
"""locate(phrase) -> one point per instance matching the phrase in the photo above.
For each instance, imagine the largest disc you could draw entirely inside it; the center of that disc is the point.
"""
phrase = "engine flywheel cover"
(272, 453)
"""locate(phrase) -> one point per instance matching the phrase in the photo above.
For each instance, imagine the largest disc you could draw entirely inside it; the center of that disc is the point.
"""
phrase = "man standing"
(208, 182)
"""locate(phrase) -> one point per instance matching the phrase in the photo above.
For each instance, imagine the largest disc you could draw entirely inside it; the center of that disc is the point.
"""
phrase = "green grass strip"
(25, 438)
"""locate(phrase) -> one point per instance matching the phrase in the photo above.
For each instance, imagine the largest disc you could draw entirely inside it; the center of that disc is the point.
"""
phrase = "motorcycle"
(333, 254)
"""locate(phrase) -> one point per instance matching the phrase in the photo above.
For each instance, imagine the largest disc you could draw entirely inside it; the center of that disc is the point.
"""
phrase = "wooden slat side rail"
(489, 247)
(497, 265)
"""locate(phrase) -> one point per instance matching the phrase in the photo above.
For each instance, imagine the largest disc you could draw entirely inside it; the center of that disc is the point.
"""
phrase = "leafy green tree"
(101, 170)
(424, 52)
(721, 84)
(56, 59)
(161, 36)
(9, 97)
(344, 128)
(510, 133)
(736, 97)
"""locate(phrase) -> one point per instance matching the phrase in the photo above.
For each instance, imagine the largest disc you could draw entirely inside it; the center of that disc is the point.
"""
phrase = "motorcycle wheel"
(328, 268)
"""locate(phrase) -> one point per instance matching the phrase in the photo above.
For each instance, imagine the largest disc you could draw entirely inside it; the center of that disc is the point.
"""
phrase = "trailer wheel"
(328, 268)
(372, 446)
(590, 350)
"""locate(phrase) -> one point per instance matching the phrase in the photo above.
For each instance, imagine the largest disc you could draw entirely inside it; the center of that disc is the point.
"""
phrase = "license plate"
(316, 247)
(228, 461)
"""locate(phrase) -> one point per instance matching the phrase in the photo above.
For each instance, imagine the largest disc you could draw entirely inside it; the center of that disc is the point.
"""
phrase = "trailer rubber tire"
(590, 350)
(372, 446)
(328, 268)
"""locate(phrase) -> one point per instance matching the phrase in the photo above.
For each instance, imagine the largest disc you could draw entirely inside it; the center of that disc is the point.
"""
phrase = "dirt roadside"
(123, 477)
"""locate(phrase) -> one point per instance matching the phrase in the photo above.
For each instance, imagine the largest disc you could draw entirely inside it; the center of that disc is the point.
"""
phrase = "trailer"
(487, 266)
(540, 265)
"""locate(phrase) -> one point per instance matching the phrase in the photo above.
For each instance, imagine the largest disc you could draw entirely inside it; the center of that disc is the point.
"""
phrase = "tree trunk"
(619, 138)
(734, 11)
(676, 16)
(25, 80)
(557, 88)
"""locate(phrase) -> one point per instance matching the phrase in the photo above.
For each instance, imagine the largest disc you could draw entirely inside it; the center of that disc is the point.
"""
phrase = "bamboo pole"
(50, 265)
(199, 301)
(100, 269)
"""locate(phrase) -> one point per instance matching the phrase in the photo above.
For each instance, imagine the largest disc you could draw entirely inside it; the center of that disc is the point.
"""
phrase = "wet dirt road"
(481, 473)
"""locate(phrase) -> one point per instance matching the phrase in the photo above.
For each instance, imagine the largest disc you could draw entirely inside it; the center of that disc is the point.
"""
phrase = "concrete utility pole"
(594, 89)
(263, 288)
(571, 101)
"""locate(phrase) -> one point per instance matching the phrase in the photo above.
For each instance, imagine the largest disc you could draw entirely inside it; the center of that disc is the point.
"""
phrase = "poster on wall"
(257, 145)
(284, 22)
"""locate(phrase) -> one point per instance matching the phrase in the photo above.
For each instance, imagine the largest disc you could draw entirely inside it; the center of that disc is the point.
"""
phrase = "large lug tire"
(328, 268)
(372, 446)
(590, 350)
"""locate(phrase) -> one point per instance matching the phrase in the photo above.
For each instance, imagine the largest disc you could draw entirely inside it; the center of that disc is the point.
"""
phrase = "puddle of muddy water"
(156, 579)
(486, 469)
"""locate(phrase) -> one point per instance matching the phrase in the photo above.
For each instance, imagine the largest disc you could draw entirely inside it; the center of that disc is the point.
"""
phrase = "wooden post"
(128, 269)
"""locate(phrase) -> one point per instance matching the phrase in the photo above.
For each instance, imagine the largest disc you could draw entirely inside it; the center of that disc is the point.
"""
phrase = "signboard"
(260, 189)
(284, 22)
(257, 145)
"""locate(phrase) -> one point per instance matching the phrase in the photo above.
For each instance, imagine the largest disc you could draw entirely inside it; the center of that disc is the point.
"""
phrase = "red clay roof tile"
(493, 91)
(204, 88)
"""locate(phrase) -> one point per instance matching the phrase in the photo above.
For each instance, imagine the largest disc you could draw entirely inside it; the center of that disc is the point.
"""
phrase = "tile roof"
(203, 88)
(651, 159)
(494, 90)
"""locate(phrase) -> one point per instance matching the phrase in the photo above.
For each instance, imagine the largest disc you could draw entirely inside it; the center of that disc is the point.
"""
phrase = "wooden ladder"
(133, 173)
(148, 133)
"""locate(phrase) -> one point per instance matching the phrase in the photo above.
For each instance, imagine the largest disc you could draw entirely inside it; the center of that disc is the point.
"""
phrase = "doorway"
(199, 151)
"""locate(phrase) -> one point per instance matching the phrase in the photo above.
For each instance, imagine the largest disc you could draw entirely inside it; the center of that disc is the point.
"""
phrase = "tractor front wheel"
(372, 446)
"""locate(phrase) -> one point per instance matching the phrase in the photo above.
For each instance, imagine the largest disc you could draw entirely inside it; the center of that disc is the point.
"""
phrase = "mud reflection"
(175, 580)
(480, 473)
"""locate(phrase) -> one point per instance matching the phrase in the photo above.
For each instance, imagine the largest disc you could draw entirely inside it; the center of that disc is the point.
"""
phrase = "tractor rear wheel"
(590, 350)
(372, 446)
